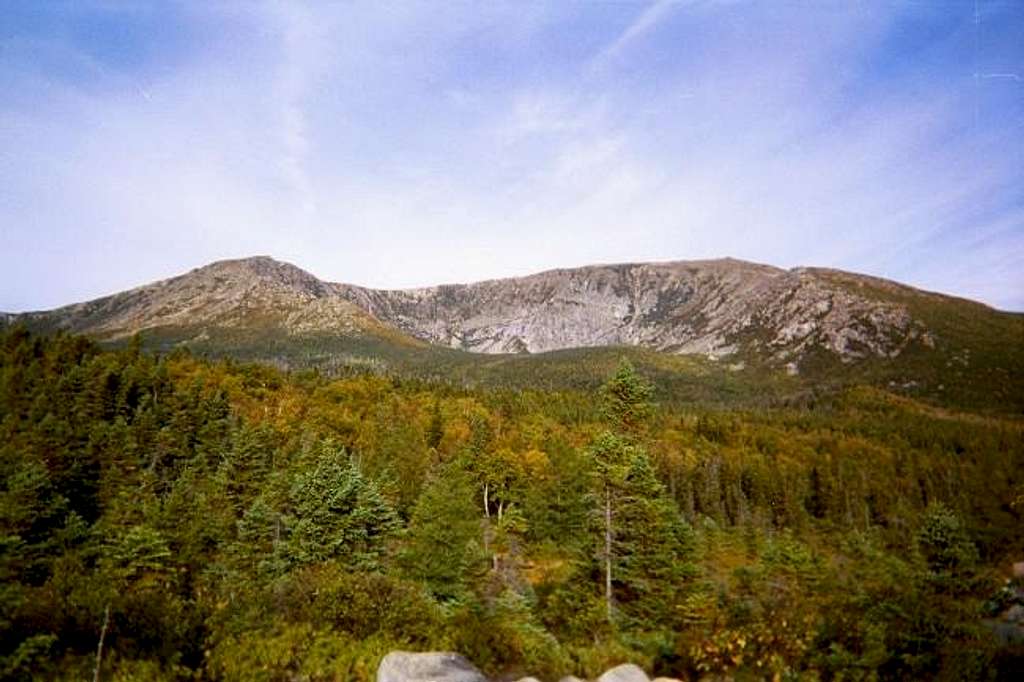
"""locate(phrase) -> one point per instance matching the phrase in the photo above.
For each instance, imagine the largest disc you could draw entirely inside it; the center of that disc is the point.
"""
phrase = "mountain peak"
(262, 267)
(240, 293)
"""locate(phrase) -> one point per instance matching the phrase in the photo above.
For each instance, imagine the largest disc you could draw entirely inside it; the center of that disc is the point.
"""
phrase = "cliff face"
(708, 307)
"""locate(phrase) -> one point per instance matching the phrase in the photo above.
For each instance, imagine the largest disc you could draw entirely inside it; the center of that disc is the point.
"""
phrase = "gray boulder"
(627, 672)
(404, 666)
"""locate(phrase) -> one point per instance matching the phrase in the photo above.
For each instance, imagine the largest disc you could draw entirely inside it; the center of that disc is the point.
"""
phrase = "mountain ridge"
(823, 325)
(589, 306)
(696, 306)
(264, 258)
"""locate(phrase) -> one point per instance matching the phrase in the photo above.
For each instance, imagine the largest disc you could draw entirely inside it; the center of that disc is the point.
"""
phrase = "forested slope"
(230, 521)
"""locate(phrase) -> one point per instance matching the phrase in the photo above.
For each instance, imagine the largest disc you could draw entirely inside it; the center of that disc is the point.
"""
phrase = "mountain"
(819, 324)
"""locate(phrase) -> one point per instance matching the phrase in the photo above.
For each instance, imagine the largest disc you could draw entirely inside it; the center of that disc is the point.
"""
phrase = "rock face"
(627, 672)
(714, 307)
(709, 307)
(402, 666)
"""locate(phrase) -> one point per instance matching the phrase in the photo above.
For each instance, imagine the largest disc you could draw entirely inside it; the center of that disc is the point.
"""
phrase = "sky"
(396, 144)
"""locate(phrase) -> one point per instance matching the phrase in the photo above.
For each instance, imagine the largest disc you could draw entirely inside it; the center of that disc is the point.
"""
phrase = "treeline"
(215, 520)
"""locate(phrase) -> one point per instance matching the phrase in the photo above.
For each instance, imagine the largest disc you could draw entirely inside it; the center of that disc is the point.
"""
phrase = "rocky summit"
(227, 294)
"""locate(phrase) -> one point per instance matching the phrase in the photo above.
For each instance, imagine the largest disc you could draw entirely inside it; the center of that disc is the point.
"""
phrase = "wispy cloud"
(413, 143)
(648, 18)
(302, 50)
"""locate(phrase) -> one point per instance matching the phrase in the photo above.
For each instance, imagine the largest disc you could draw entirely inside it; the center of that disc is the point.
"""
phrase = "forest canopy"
(215, 520)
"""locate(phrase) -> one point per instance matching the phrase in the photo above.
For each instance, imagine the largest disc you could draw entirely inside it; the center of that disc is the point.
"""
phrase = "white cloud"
(416, 143)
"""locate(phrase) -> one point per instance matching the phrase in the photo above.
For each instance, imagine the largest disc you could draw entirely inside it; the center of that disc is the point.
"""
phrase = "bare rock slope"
(708, 307)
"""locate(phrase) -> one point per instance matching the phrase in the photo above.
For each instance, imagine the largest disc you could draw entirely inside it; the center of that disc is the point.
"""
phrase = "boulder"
(1008, 634)
(627, 672)
(570, 678)
(403, 666)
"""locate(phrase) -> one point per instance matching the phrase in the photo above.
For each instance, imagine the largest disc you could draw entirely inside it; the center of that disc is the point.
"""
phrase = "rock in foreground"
(627, 672)
(402, 666)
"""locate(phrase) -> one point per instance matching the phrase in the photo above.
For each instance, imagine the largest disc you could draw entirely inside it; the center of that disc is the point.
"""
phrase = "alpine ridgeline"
(802, 321)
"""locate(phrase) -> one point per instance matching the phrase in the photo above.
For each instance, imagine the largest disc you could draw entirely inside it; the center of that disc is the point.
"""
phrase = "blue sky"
(398, 144)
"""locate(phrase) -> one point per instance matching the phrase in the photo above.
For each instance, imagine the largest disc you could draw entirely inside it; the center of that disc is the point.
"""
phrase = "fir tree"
(338, 513)
(442, 548)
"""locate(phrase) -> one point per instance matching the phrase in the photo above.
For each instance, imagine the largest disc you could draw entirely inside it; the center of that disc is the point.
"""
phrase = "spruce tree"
(338, 513)
(442, 548)
(645, 541)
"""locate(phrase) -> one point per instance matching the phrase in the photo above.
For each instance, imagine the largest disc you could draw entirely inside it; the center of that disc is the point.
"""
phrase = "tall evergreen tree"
(443, 547)
(645, 544)
(338, 513)
(644, 538)
(626, 401)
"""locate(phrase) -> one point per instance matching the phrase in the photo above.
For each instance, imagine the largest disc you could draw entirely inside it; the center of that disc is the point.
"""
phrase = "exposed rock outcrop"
(708, 307)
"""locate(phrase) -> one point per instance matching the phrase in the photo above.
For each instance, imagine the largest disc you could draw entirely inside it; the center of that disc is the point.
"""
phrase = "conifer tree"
(644, 537)
(338, 513)
(435, 430)
(442, 548)
(947, 549)
(626, 401)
